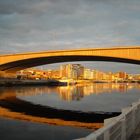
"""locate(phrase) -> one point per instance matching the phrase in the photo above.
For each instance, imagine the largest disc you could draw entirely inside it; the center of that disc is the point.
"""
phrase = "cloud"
(38, 6)
(37, 25)
(20, 6)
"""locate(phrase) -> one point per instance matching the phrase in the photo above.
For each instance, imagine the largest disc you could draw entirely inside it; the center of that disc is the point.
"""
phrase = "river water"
(65, 112)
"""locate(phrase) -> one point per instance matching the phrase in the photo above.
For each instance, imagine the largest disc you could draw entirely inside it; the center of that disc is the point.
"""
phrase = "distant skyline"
(37, 25)
(101, 66)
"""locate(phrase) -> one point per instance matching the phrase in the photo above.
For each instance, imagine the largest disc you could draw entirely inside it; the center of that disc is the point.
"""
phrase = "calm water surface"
(100, 97)
(91, 97)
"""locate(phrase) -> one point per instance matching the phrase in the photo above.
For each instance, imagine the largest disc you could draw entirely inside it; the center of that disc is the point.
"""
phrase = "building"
(88, 74)
(63, 71)
(71, 71)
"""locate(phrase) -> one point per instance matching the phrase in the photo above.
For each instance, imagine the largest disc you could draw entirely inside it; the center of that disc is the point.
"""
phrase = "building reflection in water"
(69, 93)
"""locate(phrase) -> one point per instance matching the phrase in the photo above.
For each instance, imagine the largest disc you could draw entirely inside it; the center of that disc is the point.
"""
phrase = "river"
(64, 112)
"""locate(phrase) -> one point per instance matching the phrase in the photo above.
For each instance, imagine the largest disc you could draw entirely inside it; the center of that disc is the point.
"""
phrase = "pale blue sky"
(37, 25)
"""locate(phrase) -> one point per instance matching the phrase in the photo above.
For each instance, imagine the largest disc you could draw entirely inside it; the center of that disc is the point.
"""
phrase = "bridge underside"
(27, 63)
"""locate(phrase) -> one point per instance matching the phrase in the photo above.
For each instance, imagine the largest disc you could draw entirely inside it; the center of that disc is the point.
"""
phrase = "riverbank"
(53, 82)
(16, 82)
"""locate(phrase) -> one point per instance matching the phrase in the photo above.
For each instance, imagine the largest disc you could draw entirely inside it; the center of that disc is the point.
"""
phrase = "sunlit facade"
(77, 72)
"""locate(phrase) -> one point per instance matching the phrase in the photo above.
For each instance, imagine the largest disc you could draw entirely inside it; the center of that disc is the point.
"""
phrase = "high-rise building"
(72, 71)
(88, 74)
(77, 71)
(63, 71)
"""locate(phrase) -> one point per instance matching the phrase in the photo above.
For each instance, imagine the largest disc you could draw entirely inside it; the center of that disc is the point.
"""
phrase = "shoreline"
(16, 82)
(53, 82)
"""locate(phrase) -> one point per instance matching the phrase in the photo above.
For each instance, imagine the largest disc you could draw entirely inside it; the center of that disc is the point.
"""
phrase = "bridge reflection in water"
(12, 103)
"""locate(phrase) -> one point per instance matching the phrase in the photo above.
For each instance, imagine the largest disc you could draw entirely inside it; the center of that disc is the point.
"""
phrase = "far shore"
(54, 82)
(17, 82)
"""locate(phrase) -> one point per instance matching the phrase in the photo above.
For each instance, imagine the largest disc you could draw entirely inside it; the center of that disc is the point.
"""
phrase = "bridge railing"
(120, 127)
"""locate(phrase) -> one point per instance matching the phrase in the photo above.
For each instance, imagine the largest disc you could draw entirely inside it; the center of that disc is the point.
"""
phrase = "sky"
(41, 25)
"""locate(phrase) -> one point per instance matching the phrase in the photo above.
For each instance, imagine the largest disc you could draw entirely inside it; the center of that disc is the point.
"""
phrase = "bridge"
(16, 62)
